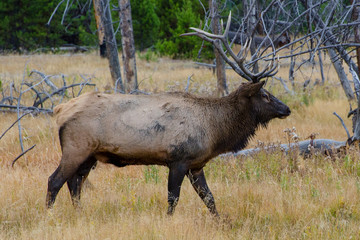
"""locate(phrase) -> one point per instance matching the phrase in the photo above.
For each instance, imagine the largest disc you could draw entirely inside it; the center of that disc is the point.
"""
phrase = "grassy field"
(270, 196)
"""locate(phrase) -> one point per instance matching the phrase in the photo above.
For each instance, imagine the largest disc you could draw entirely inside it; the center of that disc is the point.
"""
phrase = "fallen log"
(305, 148)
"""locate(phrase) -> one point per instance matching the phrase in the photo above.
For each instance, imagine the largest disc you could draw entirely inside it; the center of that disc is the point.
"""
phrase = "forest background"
(157, 24)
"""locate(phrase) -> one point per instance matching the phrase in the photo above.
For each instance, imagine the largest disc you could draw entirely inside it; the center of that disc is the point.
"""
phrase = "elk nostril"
(286, 113)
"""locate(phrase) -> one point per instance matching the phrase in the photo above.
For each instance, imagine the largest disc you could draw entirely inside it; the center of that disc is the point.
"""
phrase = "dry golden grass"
(264, 197)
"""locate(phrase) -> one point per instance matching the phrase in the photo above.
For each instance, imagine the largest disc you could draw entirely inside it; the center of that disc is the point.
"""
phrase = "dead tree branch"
(44, 90)
(2, 135)
(342, 122)
(22, 154)
(188, 83)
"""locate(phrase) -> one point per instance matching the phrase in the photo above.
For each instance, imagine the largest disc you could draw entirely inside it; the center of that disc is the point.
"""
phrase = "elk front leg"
(176, 176)
(198, 181)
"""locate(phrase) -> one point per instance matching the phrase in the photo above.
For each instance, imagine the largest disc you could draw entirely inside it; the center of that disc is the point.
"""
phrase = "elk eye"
(266, 97)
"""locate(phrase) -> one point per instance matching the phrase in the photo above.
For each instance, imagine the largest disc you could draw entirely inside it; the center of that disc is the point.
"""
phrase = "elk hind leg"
(198, 181)
(68, 167)
(76, 181)
(56, 181)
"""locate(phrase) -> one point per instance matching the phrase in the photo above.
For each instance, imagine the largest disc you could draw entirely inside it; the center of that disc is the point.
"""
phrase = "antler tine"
(268, 73)
(274, 69)
(246, 48)
(264, 73)
(197, 30)
(224, 40)
(227, 28)
(240, 61)
(210, 35)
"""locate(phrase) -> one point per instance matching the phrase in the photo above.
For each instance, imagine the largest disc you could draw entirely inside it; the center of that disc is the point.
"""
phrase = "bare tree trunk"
(100, 27)
(321, 68)
(291, 68)
(291, 72)
(128, 46)
(341, 73)
(251, 27)
(111, 46)
(356, 114)
(220, 64)
(356, 118)
(356, 16)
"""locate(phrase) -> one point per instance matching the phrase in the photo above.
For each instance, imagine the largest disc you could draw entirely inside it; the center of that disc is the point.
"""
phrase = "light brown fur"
(136, 127)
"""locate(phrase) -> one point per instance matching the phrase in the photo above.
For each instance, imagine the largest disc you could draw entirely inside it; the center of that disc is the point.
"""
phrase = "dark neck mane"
(235, 128)
(233, 121)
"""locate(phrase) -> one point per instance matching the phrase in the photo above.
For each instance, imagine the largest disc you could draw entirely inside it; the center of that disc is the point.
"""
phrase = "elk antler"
(238, 65)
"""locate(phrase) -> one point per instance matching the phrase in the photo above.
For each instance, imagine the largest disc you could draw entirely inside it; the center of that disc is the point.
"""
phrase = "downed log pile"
(304, 148)
(40, 95)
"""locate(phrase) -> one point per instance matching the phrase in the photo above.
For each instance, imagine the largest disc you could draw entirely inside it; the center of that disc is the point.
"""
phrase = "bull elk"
(177, 130)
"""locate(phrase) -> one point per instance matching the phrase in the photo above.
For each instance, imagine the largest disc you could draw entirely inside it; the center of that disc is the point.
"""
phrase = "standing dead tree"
(106, 36)
(250, 26)
(100, 27)
(128, 47)
(111, 45)
(220, 64)
(328, 38)
(356, 17)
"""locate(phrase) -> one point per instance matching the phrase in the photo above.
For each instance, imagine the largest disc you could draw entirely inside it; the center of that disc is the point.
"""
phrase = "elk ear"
(253, 88)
